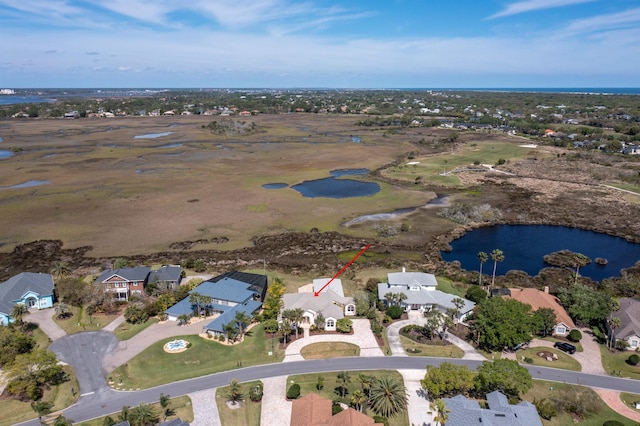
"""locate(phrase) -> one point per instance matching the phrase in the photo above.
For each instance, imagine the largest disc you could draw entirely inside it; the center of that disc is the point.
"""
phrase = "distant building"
(122, 283)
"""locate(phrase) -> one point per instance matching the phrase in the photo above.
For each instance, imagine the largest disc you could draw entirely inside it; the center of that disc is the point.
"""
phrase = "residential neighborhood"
(211, 308)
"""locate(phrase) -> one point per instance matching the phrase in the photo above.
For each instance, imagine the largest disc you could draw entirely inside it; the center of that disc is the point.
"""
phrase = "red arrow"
(342, 270)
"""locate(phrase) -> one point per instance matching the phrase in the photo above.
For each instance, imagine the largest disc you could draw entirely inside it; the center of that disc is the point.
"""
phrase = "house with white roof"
(34, 290)
(421, 294)
(330, 302)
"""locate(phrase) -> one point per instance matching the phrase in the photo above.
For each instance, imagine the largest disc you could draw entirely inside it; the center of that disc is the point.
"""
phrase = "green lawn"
(247, 415)
(308, 382)
(451, 351)
(552, 390)
(564, 361)
(615, 364)
(126, 331)
(329, 350)
(629, 398)
(80, 321)
(154, 366)
(432, 167)
(12, 411)
(447, 286)
(181, 405)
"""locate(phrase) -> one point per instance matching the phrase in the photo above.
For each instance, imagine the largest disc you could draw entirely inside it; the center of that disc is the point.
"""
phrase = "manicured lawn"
(247, 415)
(126, 331)
(329, 350)
(564, 361)
(80, 321)
(615, 364)
(446, 286)
(181, 405)
(12, 411)
(551, 391)
(42, 340)
(154, 366)
(308, 383)
(451, 351)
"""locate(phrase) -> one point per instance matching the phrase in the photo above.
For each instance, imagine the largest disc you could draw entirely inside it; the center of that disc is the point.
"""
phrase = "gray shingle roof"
(166, 273)
(465, 412)
(412, 278)
(17, 286)
(629, 315)
(139, 273)
(324, 303)
(424, 297)
(336, 285)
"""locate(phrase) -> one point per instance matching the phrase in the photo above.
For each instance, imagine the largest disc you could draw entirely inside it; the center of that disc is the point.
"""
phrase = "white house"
(330, 302)
(629, 316)
(421, 294)
(34, 290)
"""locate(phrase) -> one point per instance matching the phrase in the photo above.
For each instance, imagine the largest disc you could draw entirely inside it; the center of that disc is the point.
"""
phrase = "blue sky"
(319, 43)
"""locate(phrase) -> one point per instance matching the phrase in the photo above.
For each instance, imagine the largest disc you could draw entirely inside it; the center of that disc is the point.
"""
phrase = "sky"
(319, 43)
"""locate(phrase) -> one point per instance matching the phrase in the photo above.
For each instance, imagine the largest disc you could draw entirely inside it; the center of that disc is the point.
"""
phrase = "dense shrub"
(612, 423)
(255, 393)
(633, 359)
(476, 294)
(546, 409)
(135, 314)
(395, 311)
(575, 335)
(344, 325)
(380, 419)
(335, 408)
(294, 391)
(271, 325)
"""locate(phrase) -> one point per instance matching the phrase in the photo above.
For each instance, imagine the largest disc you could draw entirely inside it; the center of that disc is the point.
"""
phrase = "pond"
(524, 247)
(332, 187)
(27, 184)
(152, 135)
(171, 145)
(6, 154)
(276, 185)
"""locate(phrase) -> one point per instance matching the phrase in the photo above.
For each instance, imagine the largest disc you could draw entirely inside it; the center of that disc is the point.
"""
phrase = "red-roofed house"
(314, 410)
(542, 299)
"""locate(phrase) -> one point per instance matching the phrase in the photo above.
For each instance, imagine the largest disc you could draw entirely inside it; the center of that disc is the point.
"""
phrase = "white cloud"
(532, 5)
(621, 20)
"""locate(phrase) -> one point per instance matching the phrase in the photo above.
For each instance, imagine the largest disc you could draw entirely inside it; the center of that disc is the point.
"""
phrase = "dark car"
(566, 347)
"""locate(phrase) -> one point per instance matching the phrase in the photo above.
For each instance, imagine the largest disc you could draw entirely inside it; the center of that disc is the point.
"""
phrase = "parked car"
(565, 347)
(519, 346)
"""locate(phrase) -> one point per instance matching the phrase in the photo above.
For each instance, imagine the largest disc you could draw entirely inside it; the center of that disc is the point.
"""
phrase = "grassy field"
(100, 174)
(438, 169)
(12, 411)
(248, 414)
(181, 405)
(447, 286)
(308, 382)
(154, 366)
(410, 347)
(329, 350)
(80, 321)
(615, 364)
(552, 390)
(126, 331)
(564, 361)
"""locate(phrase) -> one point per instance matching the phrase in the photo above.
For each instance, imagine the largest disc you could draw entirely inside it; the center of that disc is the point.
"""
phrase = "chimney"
(546, 289)
(404, 270)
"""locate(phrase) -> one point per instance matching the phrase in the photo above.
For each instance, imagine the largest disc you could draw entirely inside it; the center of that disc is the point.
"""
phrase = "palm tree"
(366, 381)
(235, 394)
(166, 409)
(241, 320)
(124, 414)
(62, 421)
(62, 309)
(388, 397)
(581, 260)
(497, 256)
(357, 399)
(459, 304)
(143, 415)
(441, 411)
(614, 322)
(18, 312)
(60, 269)
(343, 380)
(183, 319)
(400, 297)
(230, 331)
(297, 317)
(482, 257)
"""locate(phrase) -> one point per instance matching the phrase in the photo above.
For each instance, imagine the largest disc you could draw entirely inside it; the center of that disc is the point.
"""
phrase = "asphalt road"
(104, 400)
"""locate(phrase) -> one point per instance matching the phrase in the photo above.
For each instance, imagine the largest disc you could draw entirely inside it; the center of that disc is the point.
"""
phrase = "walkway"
(205, 409)
(419, 405)
(114, 324)
(612, 399)
(44, 319)
(362, 336)
(276, 410)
